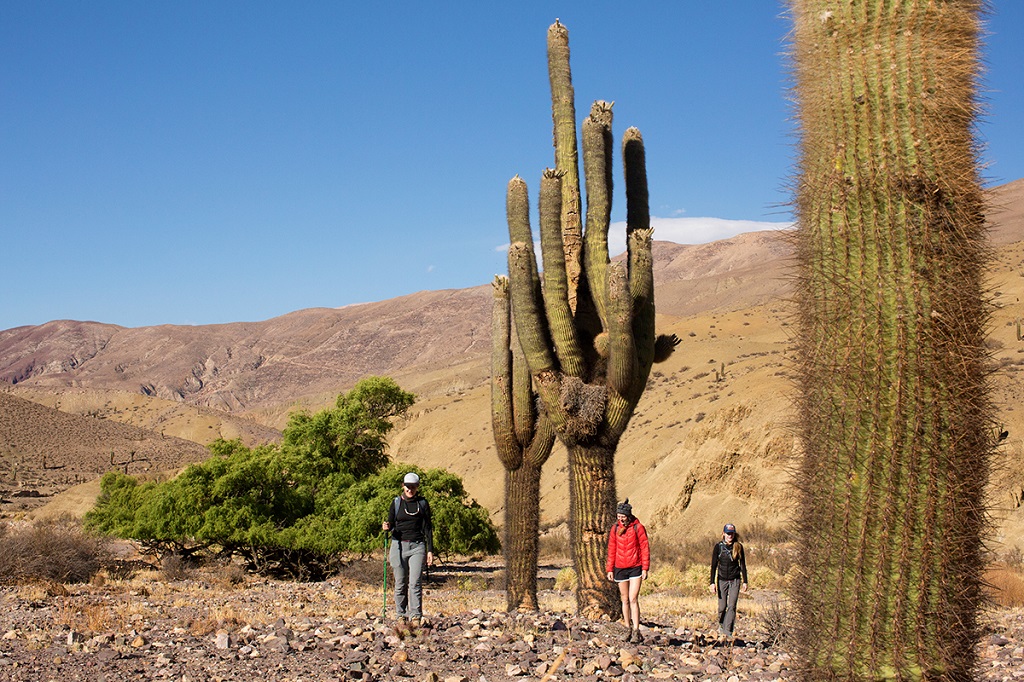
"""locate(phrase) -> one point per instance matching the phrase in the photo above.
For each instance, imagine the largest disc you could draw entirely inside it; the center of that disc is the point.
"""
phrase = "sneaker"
(635, 637)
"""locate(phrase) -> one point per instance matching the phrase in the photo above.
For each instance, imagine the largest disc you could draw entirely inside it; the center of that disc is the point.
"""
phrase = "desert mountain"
(711, 439)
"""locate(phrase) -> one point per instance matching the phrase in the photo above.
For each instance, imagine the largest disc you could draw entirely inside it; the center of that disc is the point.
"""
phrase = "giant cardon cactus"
(586, 325)
(524, 438)
(895, 420)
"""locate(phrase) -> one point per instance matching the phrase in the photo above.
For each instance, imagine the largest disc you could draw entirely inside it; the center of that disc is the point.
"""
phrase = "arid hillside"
(711, 439)
(44, 450)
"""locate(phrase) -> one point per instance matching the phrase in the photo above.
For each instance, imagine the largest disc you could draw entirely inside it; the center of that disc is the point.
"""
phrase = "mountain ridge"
(711, 440)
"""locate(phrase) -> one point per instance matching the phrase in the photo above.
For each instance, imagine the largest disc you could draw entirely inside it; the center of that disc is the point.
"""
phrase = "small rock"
(11, 634)
(514, 670)
(400, 656)
(713, 669)
(998, 640)
(278, 644)
(222, 640)
(431, 677)
(138, 642)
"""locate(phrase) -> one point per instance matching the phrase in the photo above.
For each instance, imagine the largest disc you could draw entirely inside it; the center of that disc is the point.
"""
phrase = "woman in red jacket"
(629, 558)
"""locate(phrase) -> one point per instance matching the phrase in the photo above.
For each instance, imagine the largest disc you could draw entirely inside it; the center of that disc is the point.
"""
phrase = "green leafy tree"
(352, 437)
(290, 507)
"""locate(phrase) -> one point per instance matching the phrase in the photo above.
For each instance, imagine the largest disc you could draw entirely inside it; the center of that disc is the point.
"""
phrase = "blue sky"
(207, 162)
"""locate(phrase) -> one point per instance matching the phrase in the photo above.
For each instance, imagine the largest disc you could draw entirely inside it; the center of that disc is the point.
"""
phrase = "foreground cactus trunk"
(588, 332)
(524, 439)
(895, 418)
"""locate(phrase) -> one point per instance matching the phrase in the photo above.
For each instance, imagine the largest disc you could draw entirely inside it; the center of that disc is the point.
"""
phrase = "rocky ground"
(222, 626)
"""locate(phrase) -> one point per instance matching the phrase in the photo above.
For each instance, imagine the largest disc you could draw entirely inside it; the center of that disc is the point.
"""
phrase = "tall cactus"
(524, 439)
(588, 332)
(895, 416)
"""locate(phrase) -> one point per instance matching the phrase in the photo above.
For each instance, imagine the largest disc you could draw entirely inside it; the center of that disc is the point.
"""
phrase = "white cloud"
(430, 268)
(691, 230)
(684, 231)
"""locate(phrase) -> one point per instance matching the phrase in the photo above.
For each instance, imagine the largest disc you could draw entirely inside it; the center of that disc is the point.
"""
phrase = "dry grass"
(51, 550)
(1005, 585)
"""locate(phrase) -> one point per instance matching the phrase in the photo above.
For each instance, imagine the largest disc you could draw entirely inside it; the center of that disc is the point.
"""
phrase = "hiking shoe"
(635, 637)
(416, 622)
(629, 635)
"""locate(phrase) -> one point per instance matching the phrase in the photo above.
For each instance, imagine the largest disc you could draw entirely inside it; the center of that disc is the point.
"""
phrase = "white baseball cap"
(411, 479)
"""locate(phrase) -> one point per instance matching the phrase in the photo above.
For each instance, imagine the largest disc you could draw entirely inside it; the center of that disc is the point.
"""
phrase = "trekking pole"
(384, 605)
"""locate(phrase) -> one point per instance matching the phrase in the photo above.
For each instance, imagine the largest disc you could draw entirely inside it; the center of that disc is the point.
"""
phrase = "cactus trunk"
(894, 413)
(522, 528)
(591, 515)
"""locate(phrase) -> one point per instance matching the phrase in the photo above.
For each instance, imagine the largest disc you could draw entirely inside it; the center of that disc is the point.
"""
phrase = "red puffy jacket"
(629, 549)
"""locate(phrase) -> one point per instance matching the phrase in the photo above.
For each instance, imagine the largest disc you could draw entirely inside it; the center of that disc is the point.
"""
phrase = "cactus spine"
(588, 333)
(895, 417)
(523, 439)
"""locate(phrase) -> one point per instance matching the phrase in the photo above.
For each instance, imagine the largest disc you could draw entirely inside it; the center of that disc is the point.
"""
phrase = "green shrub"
(566, 580)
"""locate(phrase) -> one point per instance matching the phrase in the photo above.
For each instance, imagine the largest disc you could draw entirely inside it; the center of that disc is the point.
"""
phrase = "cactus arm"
(597, 168)
(556, 285)
(638, 217)
(639, 249)
(641, 291)
(523, 283)
(634, 163)
(517, 211)
(622, 363)
(540, 447)
(563, 115)
(505, 441)
(531, 325)
(524, 406)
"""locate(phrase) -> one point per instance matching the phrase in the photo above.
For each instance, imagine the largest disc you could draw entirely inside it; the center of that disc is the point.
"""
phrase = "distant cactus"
(524, 439)
(895, 416)
(588, 332)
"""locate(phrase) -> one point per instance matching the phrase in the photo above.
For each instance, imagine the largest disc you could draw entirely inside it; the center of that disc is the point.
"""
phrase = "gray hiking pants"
(728, 595)
(407, 560)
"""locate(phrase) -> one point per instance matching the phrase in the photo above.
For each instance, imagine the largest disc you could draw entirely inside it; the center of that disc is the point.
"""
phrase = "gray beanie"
(624, 508)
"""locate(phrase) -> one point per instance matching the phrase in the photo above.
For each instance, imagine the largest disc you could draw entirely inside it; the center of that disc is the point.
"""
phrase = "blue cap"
(729, 528)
